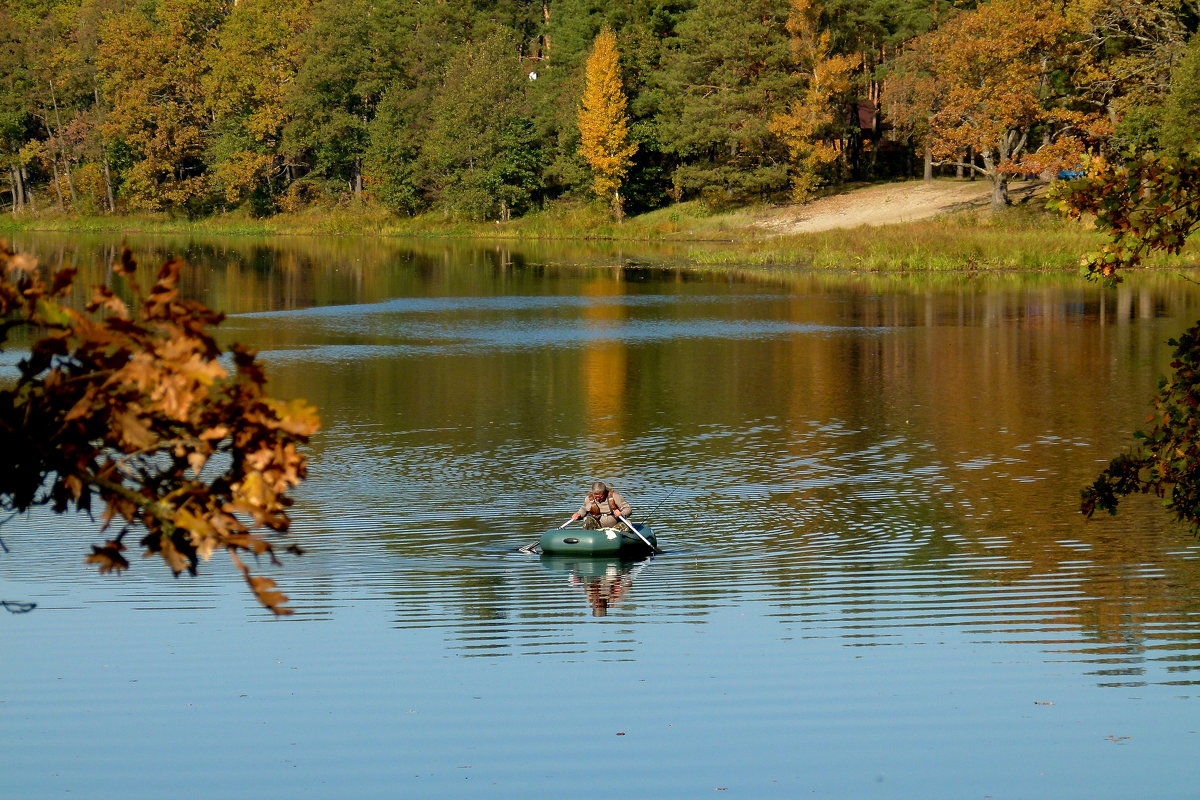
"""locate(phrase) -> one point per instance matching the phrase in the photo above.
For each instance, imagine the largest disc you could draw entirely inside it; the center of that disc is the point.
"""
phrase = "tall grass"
(1021, 238)
(1013, 239)
(569, 219)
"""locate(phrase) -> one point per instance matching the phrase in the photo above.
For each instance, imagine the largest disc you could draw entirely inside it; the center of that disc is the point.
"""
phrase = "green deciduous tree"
(415, 42)
(333, 99)
(479, 154)
(53, 48)
(1126, 50)
(250, 71)
(1181, 109)
(152, 59)
(396, 134)
(16, 117)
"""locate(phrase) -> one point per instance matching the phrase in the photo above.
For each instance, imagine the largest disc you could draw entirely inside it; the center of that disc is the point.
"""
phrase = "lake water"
(876, 581)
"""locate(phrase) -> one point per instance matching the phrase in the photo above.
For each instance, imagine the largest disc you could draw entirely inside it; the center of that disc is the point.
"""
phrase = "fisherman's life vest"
(594, 509)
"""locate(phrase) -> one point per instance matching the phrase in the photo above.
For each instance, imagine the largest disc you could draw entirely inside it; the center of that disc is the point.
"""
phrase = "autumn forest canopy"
(491, 108)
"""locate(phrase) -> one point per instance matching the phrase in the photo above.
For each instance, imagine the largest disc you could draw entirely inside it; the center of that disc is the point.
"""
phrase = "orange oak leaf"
(109, 557)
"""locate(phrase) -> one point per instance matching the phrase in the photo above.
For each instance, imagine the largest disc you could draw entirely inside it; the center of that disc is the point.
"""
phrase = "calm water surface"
(876, 583)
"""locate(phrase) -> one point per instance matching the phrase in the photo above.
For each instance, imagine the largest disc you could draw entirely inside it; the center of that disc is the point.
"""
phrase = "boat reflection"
(605, 582)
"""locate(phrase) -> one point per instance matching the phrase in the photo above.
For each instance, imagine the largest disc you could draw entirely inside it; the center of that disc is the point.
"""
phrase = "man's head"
(599, 489)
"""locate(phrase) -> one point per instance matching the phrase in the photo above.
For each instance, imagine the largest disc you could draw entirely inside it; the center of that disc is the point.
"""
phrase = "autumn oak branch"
(130, 408)
(1145, 204)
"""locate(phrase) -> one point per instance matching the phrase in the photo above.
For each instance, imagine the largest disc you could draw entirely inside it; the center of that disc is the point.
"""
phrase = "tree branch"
(160, 511)
(964, 164)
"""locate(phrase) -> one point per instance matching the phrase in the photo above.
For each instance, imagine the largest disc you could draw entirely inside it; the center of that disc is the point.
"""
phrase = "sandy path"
(887, 204)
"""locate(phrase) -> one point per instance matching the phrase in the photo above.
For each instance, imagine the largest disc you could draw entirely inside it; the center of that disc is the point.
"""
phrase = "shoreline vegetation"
(490, 119)
(859, 235)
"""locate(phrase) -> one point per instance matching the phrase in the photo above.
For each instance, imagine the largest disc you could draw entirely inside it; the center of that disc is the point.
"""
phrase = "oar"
(528, 548)
(639, 533)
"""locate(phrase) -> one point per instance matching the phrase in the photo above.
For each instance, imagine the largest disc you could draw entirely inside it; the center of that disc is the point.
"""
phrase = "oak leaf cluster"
(1148, 203)
(128, 408)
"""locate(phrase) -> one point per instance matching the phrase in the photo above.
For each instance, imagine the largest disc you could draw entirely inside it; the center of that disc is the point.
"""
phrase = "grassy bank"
(1013, 239)
(566, 220)
(1019, 238)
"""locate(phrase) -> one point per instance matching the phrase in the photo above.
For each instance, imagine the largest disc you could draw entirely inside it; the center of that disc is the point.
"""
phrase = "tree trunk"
(358, 179)
(876, 122)
(618, 205)
(108, 192)
(999, 191)
(70, 182)
(971, 161)
(999, 186)
(57, 188)
(928, 174)
(998, 178)
(1011, 143)
(23, 191)
(26, 189)
(61, 151)
(12, 183)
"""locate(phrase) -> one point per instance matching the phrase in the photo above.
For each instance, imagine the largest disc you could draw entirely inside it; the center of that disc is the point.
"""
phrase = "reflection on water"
(870, 487)
(605, 582)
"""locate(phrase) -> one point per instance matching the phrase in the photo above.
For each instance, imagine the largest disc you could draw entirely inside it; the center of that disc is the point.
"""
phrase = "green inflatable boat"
(607, 542)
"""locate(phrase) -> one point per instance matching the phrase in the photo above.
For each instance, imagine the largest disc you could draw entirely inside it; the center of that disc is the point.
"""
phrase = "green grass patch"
(1016, 239)
(1025, 237)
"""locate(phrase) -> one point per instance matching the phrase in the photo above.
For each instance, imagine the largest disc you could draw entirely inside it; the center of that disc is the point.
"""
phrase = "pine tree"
(604, 122)
(728, 69)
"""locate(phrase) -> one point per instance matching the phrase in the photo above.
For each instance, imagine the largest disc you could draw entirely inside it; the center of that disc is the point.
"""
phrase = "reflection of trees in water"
(244, 273)
(953, 417)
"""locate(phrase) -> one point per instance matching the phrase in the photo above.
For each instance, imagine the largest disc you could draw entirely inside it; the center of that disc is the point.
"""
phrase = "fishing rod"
(660, 502)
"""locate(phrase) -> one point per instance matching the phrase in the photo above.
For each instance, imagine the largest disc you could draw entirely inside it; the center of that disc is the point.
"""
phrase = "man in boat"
(601, 508)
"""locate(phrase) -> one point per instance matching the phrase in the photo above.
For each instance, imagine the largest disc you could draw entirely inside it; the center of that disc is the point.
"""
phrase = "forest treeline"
(477, 107)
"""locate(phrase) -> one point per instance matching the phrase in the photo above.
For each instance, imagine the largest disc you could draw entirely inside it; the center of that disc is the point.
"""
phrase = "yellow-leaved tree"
(816, 119)
(604, 122)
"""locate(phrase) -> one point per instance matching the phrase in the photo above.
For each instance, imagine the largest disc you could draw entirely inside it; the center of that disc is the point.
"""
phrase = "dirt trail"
(887, 204)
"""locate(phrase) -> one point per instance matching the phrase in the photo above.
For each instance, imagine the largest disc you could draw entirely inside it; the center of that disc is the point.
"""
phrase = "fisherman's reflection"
(605, 583)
